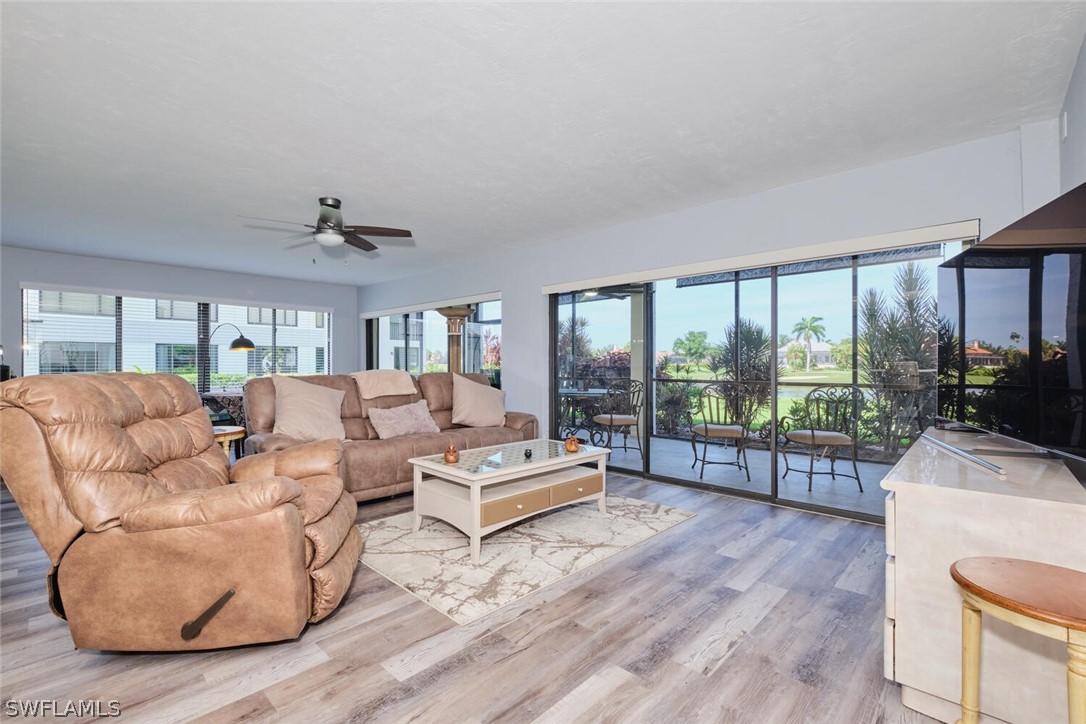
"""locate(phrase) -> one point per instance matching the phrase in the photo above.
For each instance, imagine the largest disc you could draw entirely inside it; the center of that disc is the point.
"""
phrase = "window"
(405, 358)
(67, 357)
(396, 326)
(864, 323)
(144, 334)
(76, 303)
(483, 341)
(418, 342)
(273, 360)
(282, 317)
(175, 358)
(170, 309)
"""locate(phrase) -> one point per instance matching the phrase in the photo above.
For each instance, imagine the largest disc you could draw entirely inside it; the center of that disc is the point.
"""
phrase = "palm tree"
(746, 355)
(805, 329)
(574, 347)
(896, 329)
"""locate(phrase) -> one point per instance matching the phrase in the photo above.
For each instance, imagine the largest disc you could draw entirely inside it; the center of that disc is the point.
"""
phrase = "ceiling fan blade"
(377, 231)
(278, 221)
(358, 242)
(297, 236)
(268, 227)
(299, 246)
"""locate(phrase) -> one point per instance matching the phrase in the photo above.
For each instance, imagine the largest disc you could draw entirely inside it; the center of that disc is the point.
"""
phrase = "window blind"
(72, 332)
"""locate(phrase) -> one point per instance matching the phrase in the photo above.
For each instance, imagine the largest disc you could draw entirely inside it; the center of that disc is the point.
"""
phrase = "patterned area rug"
(435, 563)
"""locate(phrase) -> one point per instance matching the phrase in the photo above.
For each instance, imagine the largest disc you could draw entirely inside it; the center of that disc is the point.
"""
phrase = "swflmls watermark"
(76, 708)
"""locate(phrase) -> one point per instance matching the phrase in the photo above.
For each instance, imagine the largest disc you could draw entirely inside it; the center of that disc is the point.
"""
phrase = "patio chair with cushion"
(726, 409)
(831, 421)
(619, 410)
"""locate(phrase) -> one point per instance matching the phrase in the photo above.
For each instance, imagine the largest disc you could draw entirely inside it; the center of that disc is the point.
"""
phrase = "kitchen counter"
(941, 508)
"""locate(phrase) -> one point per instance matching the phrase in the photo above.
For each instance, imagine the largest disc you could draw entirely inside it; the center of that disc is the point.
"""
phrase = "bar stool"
(1045, 599)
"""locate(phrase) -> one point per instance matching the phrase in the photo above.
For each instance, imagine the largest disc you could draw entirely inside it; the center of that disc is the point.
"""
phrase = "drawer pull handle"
(580, 490)
(520, 507)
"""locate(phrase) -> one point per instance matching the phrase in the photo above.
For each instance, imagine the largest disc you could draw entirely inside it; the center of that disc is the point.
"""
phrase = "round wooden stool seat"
(1047, 593)
(1048, 600)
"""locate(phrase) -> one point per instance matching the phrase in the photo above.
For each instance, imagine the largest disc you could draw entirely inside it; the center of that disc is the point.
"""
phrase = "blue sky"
(828, 295)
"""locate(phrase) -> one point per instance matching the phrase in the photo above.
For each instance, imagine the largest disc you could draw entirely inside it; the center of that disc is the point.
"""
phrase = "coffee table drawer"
(515, 506)
(565, 492)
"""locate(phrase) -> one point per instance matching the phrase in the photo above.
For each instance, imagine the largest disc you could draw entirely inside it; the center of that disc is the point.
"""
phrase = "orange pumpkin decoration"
(572, 445)
(452, 455)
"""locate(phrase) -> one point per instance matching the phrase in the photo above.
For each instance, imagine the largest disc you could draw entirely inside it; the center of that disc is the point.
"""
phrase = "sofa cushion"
(378, 463)
(477, 405)
(410, 419)
(383, 383)
(307, 411)
(260, 403)
(437, 388)
(383, 403)
(466, 438)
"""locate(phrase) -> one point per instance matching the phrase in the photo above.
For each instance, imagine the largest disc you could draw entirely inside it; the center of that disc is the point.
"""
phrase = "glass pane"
(751, 336)
(897, 354)
(1063, 299)
(65, 333)
(814, 315)
(304, 337)
(483, 342)
(691, 320)
(231, 368)
(996, 290)
(435, 342)
(152, 341)
(1058, 322)
(997, 323)
(600, 352)
(950, 359)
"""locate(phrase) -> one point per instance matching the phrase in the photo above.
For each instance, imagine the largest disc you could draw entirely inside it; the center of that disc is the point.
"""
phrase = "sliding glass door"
(799, 382)
(713, 380)
(600, 394)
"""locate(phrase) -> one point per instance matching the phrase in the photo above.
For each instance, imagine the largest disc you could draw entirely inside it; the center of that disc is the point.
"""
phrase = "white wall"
(994, 179)
(1040, 164)
(18, 265)
(1073, 148)
(981, 179)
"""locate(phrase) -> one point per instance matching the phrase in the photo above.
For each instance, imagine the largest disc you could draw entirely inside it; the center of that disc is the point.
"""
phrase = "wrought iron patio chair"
(620, 410)
(726, 409)
(832, 419)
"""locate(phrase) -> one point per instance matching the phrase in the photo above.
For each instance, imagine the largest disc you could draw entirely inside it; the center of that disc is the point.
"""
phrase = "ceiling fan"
(329, 230)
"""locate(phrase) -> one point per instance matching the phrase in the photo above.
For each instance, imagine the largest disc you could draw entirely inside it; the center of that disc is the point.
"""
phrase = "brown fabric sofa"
(373, 468)
(122, 482)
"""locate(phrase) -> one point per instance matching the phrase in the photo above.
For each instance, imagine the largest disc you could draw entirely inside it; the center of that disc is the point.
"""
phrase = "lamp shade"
(242, 344)
(328, 237)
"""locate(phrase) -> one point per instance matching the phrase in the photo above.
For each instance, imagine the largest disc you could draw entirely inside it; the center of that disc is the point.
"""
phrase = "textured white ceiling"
(140, 131)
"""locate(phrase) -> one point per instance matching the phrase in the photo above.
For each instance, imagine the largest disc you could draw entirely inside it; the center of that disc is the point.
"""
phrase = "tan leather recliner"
(121, 480)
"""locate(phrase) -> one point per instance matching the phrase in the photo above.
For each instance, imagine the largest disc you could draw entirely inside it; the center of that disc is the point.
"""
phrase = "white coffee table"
(494, 487)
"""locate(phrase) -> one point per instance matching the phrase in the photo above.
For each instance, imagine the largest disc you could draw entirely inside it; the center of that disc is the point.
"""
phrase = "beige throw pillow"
(383, 383)
(307, 411)
(476, 405)
(403, 420)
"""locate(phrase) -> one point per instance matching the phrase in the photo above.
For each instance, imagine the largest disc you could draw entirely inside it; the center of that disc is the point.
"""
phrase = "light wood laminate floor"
(746, 613)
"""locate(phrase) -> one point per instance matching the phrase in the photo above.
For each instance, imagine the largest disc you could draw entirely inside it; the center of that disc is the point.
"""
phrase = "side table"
(225, 434)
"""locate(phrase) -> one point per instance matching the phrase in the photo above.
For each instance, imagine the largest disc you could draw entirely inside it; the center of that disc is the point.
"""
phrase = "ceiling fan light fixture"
(328, 237)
